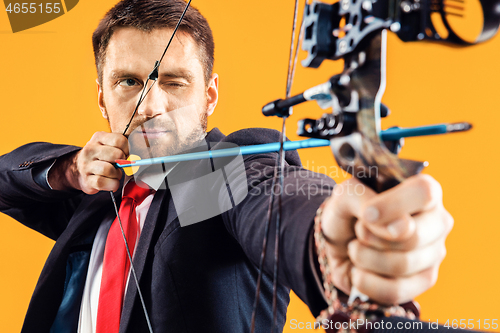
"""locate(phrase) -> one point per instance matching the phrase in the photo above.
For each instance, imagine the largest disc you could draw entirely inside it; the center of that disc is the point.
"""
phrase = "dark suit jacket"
(198, 278)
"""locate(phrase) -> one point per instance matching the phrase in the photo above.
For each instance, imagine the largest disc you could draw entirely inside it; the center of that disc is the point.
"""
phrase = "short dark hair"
(147, 15)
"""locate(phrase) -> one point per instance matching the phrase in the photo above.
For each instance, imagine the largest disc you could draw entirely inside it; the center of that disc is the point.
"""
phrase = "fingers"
(106, 153)
(396, 263)
(397, 230)
(341, 273)
(342, 210)
(387, 215)
(416, 194)
(95, 162)
(393, 290)
(104, 169)
(95, 184)
(114, 140)
(429, 226)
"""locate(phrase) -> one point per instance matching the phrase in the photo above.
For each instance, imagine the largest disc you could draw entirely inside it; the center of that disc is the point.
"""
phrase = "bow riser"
(362, 153)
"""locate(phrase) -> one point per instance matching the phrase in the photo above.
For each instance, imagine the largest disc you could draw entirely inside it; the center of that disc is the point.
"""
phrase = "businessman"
(389, 246)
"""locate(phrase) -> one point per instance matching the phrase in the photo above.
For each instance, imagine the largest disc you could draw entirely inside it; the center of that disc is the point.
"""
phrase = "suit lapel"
(161, 200)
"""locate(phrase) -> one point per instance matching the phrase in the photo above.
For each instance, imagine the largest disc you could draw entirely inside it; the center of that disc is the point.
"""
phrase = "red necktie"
(116, 264)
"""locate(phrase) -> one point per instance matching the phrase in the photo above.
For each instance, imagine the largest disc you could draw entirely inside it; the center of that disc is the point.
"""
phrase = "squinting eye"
(175, 84)
(127, 82)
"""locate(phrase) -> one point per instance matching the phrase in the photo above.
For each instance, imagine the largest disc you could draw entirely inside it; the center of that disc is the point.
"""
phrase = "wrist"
(64, 174)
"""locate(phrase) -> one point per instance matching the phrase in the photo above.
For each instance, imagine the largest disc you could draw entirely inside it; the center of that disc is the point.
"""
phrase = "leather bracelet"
(338, 313)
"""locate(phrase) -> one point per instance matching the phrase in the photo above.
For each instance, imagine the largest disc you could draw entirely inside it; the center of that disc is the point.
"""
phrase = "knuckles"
(391, 264)
(448, 221)
(442, 252)
(340, 276)
(97, 136)
(100, 183)
(395, 292)
(433, 276)
(106, 184)
(117, 155)
(398, 295)
(89, 189)
(399, 266)
(430, 188)
(109, 139)
(99, 169)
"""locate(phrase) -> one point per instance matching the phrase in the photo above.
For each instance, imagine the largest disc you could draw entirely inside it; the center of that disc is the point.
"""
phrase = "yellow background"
(48, 93)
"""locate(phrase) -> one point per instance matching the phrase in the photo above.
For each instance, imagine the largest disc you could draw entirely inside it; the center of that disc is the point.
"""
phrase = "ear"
(212, 93)
(100, 100)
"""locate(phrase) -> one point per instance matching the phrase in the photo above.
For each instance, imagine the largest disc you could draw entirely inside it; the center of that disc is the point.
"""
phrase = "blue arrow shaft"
(390, 134)
(393, 134)
(245, 150)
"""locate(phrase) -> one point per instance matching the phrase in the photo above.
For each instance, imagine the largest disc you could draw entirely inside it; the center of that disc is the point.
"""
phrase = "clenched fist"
(388, 245)
(91, 169)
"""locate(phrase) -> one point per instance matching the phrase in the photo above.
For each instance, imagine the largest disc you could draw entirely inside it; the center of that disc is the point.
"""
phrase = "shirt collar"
(152, 179)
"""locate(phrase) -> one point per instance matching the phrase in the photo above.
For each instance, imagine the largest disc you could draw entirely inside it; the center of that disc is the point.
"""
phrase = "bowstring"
(153, 76)
(280, 167)
(132, 269)
(278, 174)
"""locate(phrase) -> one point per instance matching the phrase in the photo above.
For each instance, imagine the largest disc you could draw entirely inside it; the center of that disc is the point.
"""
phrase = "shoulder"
(253, 136)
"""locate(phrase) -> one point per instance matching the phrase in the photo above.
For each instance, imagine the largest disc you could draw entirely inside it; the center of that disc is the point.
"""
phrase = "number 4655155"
(33, 8)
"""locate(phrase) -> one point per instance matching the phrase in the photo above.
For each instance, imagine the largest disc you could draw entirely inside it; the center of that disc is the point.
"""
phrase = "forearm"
(303, 192)
(21, 197)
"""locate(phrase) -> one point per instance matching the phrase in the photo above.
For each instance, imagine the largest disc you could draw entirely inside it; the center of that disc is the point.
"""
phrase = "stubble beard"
(147, 147)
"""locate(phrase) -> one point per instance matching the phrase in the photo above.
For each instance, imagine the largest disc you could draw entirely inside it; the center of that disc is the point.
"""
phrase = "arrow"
(391, 134)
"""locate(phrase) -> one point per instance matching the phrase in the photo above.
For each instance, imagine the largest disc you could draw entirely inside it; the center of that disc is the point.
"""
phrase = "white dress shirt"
(90, 298)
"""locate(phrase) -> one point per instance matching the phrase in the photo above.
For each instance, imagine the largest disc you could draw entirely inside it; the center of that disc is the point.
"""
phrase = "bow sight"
(355, 30)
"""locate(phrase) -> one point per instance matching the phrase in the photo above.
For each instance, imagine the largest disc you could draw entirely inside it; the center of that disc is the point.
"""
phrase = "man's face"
(173, 116)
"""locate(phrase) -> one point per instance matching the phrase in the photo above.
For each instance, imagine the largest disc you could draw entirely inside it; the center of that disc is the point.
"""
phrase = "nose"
(154, 103)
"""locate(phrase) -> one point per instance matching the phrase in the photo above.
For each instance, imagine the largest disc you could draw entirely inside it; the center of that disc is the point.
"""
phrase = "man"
(392, 252)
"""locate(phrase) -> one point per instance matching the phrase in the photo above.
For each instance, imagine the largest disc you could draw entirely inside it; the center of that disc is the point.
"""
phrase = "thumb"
(343, 209)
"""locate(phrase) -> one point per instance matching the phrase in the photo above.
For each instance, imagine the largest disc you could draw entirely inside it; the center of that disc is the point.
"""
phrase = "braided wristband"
(357, 312)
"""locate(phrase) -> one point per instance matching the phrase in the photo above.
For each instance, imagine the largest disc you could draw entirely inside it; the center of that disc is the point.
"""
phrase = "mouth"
(154, 133)
(150, 133)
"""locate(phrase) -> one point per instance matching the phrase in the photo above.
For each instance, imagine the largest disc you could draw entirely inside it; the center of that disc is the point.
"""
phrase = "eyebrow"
(171, 74)
(178, 74)
(118, 74)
